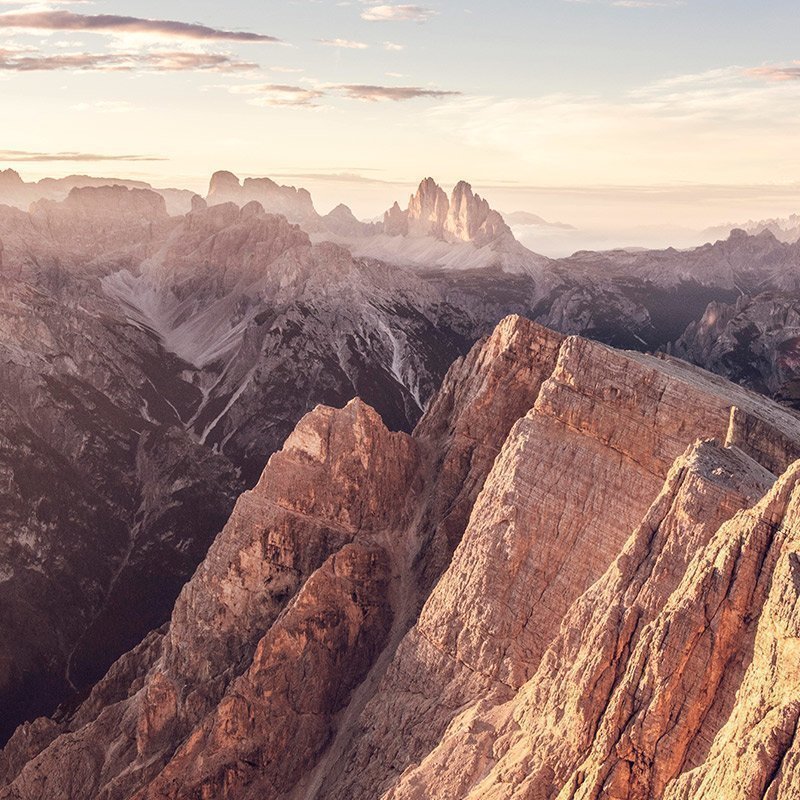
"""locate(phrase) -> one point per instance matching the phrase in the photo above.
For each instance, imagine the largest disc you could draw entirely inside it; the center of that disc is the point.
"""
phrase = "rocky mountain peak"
(116, 201)
(470, 218)
(427, 210)
(343, 222)
(223, 187)
(198, 203)
(463, 217)
(10, 179)
(295, 204)
(463, 613)
(395, 221)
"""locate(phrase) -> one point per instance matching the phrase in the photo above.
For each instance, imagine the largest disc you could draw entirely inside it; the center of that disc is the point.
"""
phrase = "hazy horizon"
(594, 218)
(606, 115)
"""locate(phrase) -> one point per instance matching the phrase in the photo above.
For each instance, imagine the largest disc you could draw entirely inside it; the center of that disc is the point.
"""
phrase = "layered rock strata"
(617, 618)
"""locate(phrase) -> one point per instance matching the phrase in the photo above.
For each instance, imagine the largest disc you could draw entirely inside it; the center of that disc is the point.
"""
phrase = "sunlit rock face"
(456, 232)
(463, 217)
(151, 364)
(295, 204)
(576, 578)
(133, 342)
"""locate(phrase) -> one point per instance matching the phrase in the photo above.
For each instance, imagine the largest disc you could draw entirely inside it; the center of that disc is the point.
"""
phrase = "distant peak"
(223, 181)
(462, 217)
(341, 210)
(462, 187)
(10, 177)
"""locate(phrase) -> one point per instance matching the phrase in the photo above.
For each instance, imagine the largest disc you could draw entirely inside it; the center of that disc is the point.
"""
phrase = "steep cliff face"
(108, 503)
(463, 217)
(428, 210)
(573, 479)
(615, 615)
(294, 204)
(470, 219)
(456, 232)
(754, 342)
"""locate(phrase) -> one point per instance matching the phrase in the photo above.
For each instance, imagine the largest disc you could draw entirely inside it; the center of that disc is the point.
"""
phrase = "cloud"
(393, 47)
(279, 95)
(776, 73)
(345, 44)
(18, 156)
(688, 128)
(337, 177)
(271, 94)
(396, 93)
(115, 23)
(151, 61)
(395, 13)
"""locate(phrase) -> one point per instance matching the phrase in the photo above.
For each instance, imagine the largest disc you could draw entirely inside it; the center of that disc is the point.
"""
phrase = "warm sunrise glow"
(549, 106)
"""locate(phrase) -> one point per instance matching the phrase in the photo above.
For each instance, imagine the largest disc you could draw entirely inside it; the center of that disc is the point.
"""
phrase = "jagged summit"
(295, 204)
(10, 179)
(15, 191)
(113, 201)
(785, 230)
(457, 232)
(464, 217)
(577, 578)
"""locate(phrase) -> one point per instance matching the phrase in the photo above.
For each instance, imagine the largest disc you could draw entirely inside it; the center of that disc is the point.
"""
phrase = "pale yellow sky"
(590, 113)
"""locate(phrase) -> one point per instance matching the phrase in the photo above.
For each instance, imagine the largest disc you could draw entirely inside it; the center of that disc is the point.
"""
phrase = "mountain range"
(463, 613)
(391, 607)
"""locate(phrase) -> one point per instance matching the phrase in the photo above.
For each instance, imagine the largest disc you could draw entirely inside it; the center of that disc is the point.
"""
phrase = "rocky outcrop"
(542, 531)
(470, 219)
(395, 221)
(428, 210)
(754, 342)
(785, 230)
(307, 563)
(481, 397)
(342, 221)
(294, 204)
(109, 504)
(614, 615)
(464, 217)
(741, 262)
(13, 190)
(16, 192)
(540, 734)
(460, 232)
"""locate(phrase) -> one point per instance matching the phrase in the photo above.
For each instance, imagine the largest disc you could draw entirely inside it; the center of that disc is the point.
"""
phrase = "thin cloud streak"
(115, 23)
(20, 156)
(394, 93)
(397, 13)
(167, 61)
(286, 95)
(345, 44)
(279, 95)
(776, 73)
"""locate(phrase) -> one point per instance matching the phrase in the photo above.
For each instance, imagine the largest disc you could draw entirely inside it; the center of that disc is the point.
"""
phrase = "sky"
(609, 114)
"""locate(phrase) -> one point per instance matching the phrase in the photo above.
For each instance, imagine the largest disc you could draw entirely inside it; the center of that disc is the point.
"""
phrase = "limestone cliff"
(577, 578)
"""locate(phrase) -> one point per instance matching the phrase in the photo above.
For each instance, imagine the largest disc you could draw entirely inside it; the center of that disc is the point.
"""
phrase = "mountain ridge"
(340, 475)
